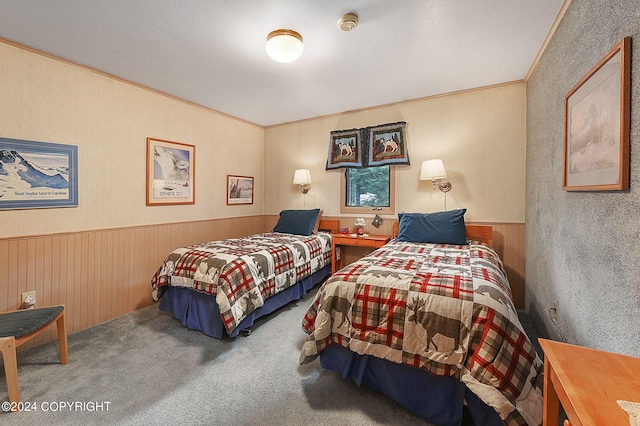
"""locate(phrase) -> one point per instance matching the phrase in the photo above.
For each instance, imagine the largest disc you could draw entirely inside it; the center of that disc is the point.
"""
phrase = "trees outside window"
(366, 188)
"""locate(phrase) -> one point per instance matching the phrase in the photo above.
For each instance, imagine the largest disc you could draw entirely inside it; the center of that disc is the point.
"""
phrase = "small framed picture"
(597, 124)
(239, 190)
(170, 172)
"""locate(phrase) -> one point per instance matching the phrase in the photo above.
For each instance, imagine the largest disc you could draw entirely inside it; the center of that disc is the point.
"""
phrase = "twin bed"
(427, 319)
(222, 287)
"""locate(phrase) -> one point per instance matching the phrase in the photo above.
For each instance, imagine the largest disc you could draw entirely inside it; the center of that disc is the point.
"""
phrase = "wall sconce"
(434, 171)
(302, 177)
(284, 45)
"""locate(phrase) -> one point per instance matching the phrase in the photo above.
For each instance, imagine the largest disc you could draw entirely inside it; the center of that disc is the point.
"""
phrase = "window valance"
(368, 147)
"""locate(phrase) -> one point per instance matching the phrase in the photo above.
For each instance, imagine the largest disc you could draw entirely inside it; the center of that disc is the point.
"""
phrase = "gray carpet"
(152, 370)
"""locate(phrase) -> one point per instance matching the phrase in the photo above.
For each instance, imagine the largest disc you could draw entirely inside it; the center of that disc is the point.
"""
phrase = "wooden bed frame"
(329, 225)
(482, 233)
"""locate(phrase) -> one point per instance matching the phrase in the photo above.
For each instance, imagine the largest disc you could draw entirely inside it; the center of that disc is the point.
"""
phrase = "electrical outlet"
(28, 294)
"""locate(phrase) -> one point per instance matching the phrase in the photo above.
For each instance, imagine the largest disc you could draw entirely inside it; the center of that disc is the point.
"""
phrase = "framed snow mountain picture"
(170, 172)
(37, 174)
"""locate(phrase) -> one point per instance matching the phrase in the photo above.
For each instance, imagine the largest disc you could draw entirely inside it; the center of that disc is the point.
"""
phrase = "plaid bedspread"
(243, 272)
(447, 309)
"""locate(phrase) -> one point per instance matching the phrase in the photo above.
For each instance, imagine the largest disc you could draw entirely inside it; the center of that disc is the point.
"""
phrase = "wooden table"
(588, 383)
(373, 241)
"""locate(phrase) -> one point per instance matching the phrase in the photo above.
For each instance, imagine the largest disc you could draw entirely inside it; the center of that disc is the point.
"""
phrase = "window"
(363, 189)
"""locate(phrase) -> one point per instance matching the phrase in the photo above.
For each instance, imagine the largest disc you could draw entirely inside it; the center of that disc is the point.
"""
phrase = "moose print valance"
(368, 147)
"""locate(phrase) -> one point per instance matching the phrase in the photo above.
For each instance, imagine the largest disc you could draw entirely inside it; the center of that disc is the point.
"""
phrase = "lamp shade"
(284, 45)
(302, 177)
(432, 170)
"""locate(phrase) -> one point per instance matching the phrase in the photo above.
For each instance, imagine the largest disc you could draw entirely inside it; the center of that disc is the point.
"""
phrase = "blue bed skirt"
(199, 311)
(438, 399)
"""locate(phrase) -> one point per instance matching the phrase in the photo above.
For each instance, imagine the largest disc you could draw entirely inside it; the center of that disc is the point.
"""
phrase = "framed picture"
(170, 172)
(239, 190)
(37, 174)
(596, 126)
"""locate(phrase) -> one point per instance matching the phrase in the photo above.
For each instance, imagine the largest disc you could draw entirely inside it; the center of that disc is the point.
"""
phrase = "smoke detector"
(348, 22)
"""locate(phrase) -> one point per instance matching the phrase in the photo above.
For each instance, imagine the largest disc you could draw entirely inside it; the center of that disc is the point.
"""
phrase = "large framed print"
(239, 190)
(170, 172)
(37, 174)
(596, 125)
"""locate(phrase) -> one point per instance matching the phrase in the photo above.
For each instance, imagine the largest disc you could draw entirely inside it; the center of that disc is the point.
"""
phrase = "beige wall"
(49, 100)
(479, 134)
(98, 258)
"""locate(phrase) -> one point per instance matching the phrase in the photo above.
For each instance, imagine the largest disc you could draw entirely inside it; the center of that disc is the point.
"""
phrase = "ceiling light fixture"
(284, 45)
(348, 22)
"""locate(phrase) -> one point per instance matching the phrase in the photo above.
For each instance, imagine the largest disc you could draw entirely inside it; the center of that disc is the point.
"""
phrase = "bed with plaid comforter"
(241, 273)
(443, 308)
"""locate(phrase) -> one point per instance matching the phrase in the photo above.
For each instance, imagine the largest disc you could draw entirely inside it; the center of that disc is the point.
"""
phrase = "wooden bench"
(17, 328)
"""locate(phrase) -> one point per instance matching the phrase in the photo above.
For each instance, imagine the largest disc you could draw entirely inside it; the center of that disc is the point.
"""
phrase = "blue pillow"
(299, 222)
(438, 228)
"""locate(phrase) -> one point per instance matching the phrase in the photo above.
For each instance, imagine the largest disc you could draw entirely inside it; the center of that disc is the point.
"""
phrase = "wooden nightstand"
(373, 241)
(588, 383)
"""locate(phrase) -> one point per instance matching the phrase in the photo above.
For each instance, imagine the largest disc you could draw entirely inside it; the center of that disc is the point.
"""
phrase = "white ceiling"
(211, 52)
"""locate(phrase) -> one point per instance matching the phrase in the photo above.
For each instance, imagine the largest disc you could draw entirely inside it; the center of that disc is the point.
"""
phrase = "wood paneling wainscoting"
(508, 242)
(103, 274)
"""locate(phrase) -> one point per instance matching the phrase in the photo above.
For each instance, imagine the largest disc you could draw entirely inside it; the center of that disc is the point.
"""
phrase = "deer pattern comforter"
(243, 272)
(444, 308)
